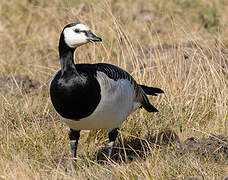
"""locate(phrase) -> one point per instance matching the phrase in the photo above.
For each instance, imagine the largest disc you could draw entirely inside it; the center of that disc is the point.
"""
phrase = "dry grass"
(179, 46)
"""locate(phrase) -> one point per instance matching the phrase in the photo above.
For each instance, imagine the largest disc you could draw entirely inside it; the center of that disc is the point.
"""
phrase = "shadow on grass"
(213, 146)
(134, 148)
(128, 150)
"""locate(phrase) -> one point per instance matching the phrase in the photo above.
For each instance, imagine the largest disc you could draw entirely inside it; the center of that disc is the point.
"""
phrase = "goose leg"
(112, 137)
(74, 137)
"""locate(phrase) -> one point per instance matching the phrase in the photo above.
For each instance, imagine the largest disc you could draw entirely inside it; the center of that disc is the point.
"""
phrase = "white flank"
(117, 102)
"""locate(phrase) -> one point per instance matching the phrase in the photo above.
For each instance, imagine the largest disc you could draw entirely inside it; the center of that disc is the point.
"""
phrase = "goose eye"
(77, 30)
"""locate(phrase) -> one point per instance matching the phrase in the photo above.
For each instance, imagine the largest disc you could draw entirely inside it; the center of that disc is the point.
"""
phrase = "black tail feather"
(146, 104)
(150, 108)
(151, 90)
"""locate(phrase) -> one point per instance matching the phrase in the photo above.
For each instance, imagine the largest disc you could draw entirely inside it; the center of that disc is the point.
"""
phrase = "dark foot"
(74, 137)
(112, 137)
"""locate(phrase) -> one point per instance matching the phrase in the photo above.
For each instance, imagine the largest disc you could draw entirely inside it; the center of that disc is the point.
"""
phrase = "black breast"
(75, 96)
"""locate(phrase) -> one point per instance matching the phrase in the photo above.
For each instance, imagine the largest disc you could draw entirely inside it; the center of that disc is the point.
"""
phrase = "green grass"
(179, 46)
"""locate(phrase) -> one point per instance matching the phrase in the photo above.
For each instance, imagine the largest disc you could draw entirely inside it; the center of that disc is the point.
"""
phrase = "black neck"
(66, 57)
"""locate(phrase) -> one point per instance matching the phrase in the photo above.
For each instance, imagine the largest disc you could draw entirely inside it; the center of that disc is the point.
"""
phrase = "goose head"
(75, 35)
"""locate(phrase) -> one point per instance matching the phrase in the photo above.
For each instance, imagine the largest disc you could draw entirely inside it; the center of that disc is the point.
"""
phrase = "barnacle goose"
(93, 96)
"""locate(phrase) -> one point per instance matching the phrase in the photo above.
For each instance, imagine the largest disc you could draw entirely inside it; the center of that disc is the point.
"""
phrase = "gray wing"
(117, 73)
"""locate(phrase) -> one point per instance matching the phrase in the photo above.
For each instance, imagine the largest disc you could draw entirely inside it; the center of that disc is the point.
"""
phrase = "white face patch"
(74, 36)
(81, 27)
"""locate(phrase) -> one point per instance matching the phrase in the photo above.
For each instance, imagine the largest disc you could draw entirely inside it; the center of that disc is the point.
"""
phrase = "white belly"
(117, 102)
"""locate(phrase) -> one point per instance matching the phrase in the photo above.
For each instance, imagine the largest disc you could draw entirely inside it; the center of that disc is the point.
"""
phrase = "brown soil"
(191, 53)
(213, 146)
(189, 50)
(18, 84)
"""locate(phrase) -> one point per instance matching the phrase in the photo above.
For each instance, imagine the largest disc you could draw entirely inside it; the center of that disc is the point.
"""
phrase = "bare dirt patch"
(192, 55)
(213, 146)
(18, 84)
